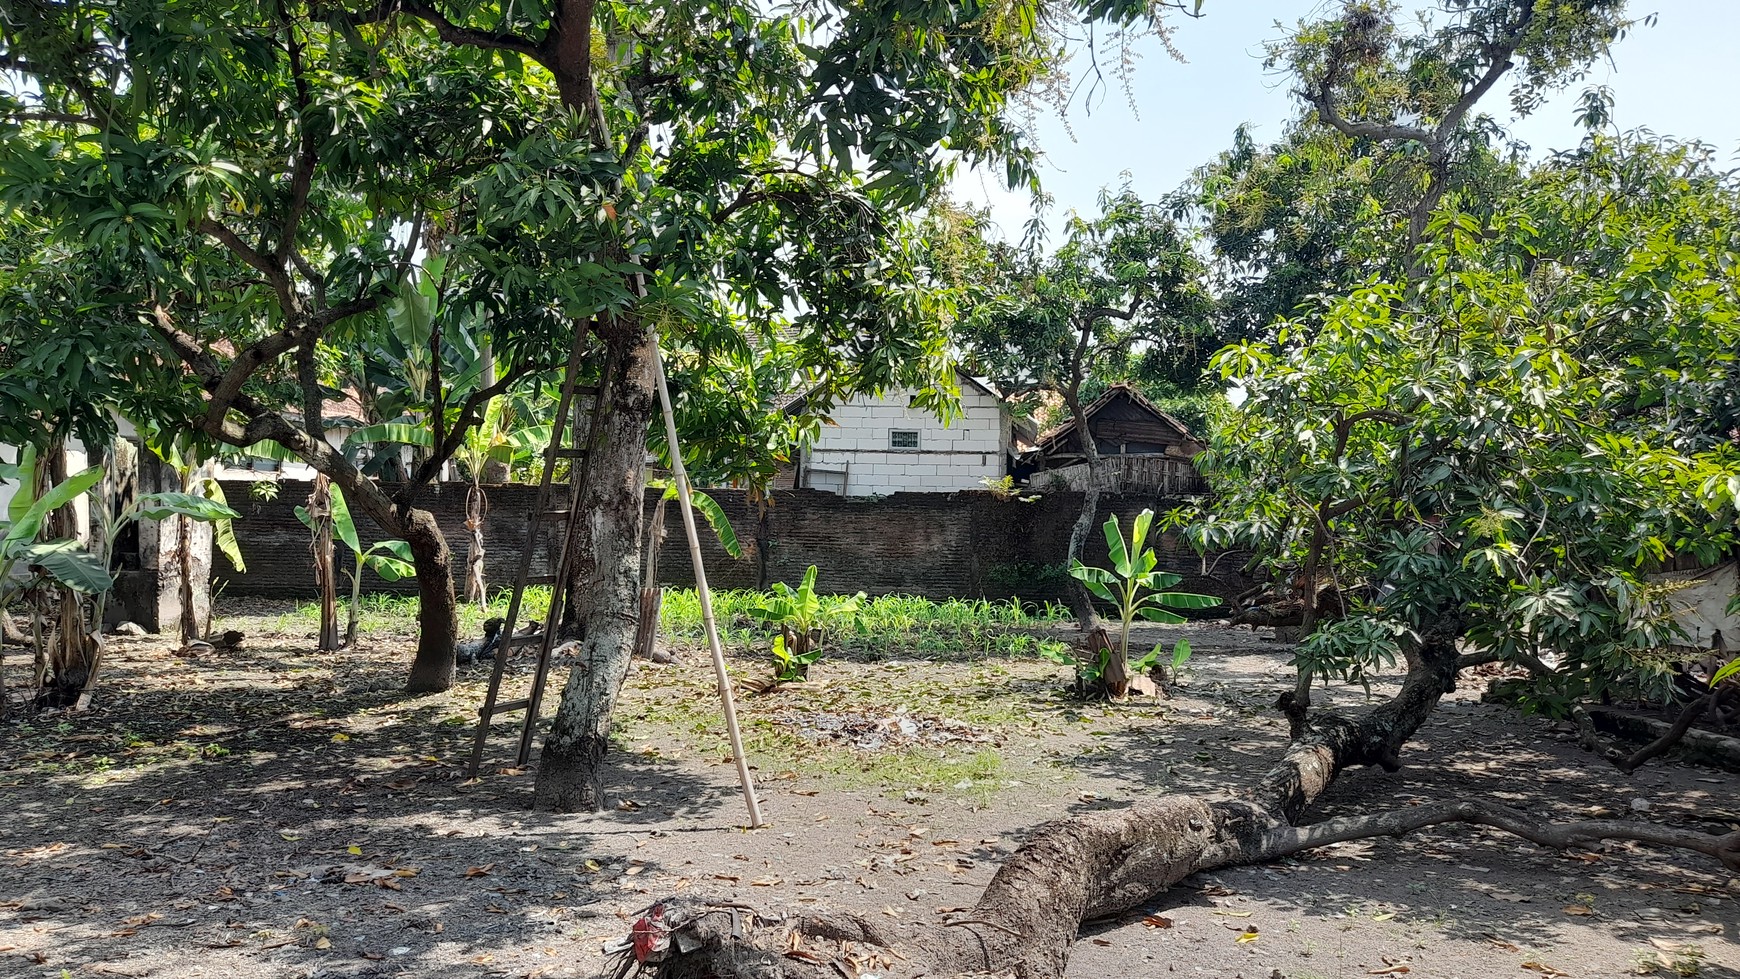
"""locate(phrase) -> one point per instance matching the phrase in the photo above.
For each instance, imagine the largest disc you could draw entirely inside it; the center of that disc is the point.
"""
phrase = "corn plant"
(1137, 591)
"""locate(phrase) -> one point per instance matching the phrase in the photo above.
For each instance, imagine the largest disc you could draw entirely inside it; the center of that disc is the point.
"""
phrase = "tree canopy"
(1508, 447)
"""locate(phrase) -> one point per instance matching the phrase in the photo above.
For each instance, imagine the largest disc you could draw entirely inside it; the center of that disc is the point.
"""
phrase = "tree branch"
(446, 29)
(1558, 836)
(1660, 745)
(302, 173)
(332, 314)
(470, 415)
(1109, 312)
(65, 117)
(313, 415)
(1500, 63)
(259, 261)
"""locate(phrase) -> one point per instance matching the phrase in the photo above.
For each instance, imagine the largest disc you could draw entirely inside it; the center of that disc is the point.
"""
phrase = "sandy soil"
(277, 812)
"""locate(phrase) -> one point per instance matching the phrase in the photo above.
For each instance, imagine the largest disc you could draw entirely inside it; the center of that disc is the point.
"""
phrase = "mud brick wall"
(966, 544)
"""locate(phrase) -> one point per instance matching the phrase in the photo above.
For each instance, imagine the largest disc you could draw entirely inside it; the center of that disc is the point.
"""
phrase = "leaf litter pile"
(280, 812)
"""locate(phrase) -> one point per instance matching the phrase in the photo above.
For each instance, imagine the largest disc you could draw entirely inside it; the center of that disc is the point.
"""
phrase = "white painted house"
(882, 444)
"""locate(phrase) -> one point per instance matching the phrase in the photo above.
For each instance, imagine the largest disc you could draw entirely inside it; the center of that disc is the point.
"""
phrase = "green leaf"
(397, 548)
(1154, 614)
(25, 473)
(1723, 674)
(162, 506)
(1139, 532)
(271, 451)
(1115, 544)
(390, 568)
(1180, 653)
(223, 532)
(68, 563)
(24, 527)
(402, 433)
(1184, 599)
(710, 511)
(342, 524)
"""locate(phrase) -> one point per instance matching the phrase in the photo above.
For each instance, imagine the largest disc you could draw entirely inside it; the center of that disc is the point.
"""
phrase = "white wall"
(76, 459)
(854, 452)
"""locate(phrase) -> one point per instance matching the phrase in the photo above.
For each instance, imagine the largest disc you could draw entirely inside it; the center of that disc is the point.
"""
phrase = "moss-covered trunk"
(603, 573)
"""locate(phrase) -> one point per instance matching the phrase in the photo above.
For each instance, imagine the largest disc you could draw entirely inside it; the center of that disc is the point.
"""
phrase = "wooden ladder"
(569, 414)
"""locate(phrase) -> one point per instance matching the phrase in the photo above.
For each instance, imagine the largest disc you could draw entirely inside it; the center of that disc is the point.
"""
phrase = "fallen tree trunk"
(1099, 864)
(1705, 746)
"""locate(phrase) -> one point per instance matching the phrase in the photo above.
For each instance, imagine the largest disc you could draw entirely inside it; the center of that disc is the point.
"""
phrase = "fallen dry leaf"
(1578, 909)
(1502, 944)
(1248, 935)
(1157, 921)
(1394, 970)
(1543, 968)
(766, 882)
(482, 871)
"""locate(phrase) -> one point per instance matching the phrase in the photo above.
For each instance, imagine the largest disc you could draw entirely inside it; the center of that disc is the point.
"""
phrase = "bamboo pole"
(681, 477)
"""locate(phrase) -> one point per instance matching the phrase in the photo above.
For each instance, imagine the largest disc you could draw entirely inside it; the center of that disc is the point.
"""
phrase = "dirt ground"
(274, 812)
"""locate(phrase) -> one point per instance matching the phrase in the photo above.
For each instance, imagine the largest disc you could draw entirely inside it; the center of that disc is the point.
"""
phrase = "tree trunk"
(1082, 602)
(1098, 864)
(646, 636)
(476, 510)
(604, 574)
(325, 574)
(437, 607)
(72, 650)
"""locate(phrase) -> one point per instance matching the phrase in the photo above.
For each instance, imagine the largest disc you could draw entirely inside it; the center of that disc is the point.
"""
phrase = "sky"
(1673, 78)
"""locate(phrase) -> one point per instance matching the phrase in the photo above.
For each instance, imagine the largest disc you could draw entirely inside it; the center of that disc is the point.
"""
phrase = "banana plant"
(804, 621)
(710, 511)
(1138, 591)
(391, 559)
(75, 568)
(63, 560)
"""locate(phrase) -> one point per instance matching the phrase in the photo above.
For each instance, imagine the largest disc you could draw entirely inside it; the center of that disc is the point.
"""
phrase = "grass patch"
(386, 614)
(976, 776)
(894, 625)
(796, 732)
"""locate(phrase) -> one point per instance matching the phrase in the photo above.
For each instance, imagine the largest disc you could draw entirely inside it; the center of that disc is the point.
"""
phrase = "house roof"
(790, 399)
(1049, 439)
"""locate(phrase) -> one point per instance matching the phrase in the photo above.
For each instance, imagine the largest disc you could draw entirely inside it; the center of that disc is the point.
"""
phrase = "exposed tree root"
(1099, 864)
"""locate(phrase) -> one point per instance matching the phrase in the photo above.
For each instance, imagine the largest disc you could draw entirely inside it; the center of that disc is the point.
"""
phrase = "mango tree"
(238, 195)
(1124, 293)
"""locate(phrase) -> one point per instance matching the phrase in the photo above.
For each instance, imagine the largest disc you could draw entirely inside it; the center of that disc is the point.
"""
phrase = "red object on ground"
(649, 933)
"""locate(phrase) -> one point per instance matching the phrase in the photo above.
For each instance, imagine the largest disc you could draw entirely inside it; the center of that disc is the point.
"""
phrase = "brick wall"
(967, 544)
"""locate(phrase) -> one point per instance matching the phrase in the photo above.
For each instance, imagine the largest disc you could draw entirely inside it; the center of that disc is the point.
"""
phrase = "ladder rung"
(549, 515)
(508, 706)
(585, 390)
(540, 579)
(571, 453)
